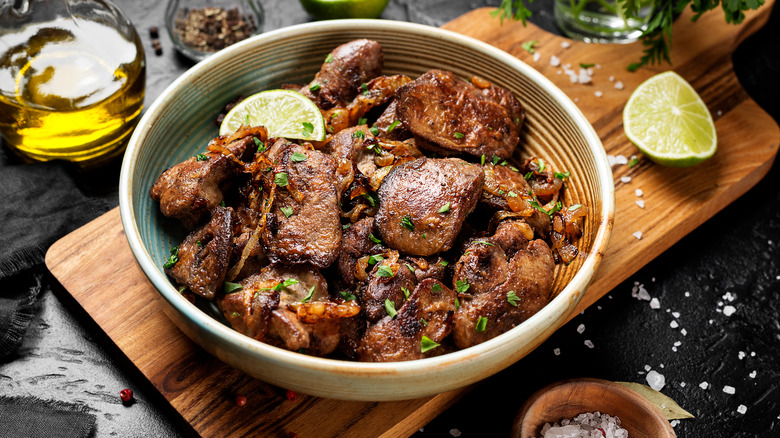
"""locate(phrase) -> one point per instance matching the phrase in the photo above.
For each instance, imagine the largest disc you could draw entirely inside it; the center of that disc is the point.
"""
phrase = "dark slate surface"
(65, 356)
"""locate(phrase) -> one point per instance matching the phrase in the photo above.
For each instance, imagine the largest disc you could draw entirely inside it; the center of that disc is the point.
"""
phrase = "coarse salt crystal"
(558, 72)
(648, 367)
(687, 294)
(612, 160)
(584, 77)
(581, 328)
(554, 61)
(677, 343)
(704, 385)
(598, 307)
(676, 314)
(455, 432)
(674, 423)
(662, 365)
(576, 99)
(625, 179)
(674, 349)
(621, 159)
(682, 384)
(639, 292)
(684, 332)
(742, 409)
(741, 355)
(729, 310)
(598, 93)
(565, 44)
(710, 321)
(637, 235)
(752, 374)
(618, 85)
(612, 79)
(655, 304)
(656, 380)
(729, 296)
(638, 193)
(537, 55)
(729, 389)
(640, 203)
(557, 351)
(588, 343)
(752, 354)
(674, 324)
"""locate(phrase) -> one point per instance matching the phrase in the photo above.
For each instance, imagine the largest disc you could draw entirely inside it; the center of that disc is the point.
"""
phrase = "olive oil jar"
(72, 79)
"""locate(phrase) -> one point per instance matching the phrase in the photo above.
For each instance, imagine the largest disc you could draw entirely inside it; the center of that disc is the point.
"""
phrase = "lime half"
(330, 9)
(284, 113)
(667, 120)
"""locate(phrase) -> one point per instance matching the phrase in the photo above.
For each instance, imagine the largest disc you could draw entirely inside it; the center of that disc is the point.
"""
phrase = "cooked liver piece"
(355, 244)
(204, 255)
(400, 338)
(378, 289)
(312, 233)
(353, 64)
(454, 115)
(417, 190)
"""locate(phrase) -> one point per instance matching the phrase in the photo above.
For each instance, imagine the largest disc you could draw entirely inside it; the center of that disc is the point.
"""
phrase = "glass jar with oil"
(72, 79)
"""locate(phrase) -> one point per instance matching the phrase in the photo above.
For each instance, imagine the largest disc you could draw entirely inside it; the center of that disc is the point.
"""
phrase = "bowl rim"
(555, 310)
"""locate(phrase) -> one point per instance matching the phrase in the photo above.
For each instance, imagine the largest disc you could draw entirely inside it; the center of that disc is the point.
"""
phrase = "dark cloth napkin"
(25, 417)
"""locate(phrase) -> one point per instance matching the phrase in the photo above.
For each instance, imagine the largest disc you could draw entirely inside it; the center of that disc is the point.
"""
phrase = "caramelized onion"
(360, 268)
(252, 242)
(319, 310)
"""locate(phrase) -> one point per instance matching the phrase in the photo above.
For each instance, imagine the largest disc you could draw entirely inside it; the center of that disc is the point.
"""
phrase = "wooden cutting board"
(95, 265)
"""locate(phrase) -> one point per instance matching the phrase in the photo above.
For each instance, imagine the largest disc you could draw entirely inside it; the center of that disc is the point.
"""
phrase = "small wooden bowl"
(569, 398)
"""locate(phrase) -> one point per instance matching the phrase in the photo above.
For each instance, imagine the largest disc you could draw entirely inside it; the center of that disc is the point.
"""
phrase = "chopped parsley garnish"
(222, 203)
(235, 314)
(345, 226)
(459, 135)
(348, 296)
(427, 344)
(232, 287)
(364, 87)
(328, 59)
(374, 239)
(503, 163)
(457, 303)
(583, 65)
(562, 176)
(633, 162)
(281, 179)
(393, 125)
(173, 259)
(482, 160)
(259, 143)
(501, 192)
(384, 271)
(287, 211)
(484, 242)
(541, 164)
(406, 292)
(424, 236)
(436, 287)
(308, 128)
(308, 297)
(362, 121)
(528, 46)
(557, 207)
(372, 198)
(297, 157)
(496, 159)
(198, 244)
(201, 157)
(574, 207)
(461, 286)
(481, 324)
(390, 308)
(514, 168)
(314, 87)
(406, 222)
(182, 289)
(444, 263)
(528, 175)
(374, 130)
(423, 322)
(359, 134)
(512, 298)
(374, 259)
(511, 194)
(411, 268)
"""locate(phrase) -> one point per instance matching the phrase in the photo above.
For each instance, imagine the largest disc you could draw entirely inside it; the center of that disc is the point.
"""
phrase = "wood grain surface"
(95, 264)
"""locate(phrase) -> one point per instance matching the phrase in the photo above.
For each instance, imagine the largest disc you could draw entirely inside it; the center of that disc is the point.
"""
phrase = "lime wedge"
(330, 9)
(667, 120)
(284, 113)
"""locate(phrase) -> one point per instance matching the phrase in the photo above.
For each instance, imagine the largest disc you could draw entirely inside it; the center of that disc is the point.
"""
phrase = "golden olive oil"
(70, 89)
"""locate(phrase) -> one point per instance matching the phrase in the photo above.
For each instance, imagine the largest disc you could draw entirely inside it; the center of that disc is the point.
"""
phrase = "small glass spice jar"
(199, 28)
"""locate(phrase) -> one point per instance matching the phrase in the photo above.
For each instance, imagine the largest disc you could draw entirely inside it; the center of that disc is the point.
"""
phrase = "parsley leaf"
(384, 271)
(484, 242)
(173, 259)
(393, 125)
(528, 46)
(359, 134)
(287, 211)
(461, 286)
(374, 131)
(562, 176)
(308, 297)
(496, 159)
(329, 58)
(574, 207)
(445, 208)
(374, 239)
(406, 222)
(201, 157)
(406, 292)
(348, 296)
(374, 259)
(633, 162)
(436, 287)
(459, 135)
(586, 66)
(481, 324)
(232, 287)
(259, 143)
(308, 129)
(426, 344)
(390, 308)
(362, 121)
(281, 179)
(512, 298)
(314, 87)
(297, 157)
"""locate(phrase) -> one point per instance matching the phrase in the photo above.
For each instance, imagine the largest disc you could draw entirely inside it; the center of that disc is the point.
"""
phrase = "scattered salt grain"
(648, 368)
(682, 384)
(729, 389)
(684, 332)
(537, 55)
(654, 304)
(676, 314)
(719, 113)
(704, 385)
(729, 310)
(618, 85)
(687, 294)
(674, 349)
(557, 351)
(588, 343)
(662, 365)
(581, 328)
(621, 159)
(710, 321)
(584, 77)
(752, 354)
(674, 324)
(741, 355)
(677, 343)
(598, 307)
(612, 79)
(641, 373)
(625, 179)
(455, 432)
(612, 160)
(752, 374)
(598, 93)
(668, 310)
(674, 423)
(729, 296)
(638, 235)
(554, 61)
(558, 72)
(742, 409)
(598, 66)
(640, 203)
(638, 193)
(565, 44)
(639, 292)
(656, 380)
(587, 425)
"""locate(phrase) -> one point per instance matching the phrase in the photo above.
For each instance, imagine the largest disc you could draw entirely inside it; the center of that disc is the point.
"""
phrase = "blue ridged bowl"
(179, 124)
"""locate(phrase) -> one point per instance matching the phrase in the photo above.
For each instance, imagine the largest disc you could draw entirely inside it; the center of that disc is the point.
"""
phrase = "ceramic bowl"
(179, 124)
(569, 398)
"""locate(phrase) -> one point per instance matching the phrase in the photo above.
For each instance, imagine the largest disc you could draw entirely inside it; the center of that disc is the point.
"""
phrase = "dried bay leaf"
(669, 407)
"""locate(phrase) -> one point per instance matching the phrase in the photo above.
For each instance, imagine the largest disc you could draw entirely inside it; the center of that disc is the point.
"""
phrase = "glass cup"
(72, 79)
(600, 21)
